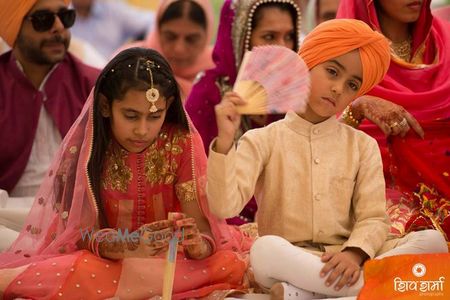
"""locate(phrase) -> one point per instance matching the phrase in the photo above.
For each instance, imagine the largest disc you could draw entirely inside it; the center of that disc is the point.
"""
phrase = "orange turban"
(11, 17)
(340, 36)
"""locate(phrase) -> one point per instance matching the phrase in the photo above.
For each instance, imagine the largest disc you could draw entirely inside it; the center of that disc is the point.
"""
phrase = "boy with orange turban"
(318, 183)
(42, 91)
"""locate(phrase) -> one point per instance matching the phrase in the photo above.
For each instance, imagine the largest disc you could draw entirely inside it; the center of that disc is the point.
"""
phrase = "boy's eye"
(332, 71)
(353, 86)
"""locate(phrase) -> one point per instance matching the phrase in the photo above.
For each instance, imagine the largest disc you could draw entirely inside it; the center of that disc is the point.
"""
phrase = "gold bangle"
(348, 117)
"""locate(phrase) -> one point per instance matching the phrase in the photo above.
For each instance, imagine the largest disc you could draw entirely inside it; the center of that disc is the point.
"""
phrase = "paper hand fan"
(169, 268)
(273, 80)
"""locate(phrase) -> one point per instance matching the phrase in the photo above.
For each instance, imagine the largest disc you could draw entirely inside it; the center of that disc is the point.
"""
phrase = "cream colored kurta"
(317, 183)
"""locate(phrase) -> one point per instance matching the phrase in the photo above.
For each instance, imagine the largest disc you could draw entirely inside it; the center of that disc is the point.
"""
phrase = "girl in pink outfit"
(98, 227)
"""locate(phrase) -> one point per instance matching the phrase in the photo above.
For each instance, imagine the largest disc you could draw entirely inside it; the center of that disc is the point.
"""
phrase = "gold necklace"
(402, 49)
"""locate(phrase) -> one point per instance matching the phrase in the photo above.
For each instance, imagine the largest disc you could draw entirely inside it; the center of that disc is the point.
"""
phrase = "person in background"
(182, 32)
(318, 11)
(42, 91)
(274, 23)
(408, 112)
(107, 25)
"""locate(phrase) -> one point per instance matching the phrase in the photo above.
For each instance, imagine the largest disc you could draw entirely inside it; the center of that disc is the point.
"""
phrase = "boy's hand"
(345, 266)
(228, 121)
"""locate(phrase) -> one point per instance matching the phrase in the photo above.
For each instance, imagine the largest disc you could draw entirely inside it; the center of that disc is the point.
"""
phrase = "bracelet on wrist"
(104, 235)
(209, 241)
(349, 118)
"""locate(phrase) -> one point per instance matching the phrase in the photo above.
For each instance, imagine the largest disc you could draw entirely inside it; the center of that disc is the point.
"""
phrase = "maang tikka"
(152, 94)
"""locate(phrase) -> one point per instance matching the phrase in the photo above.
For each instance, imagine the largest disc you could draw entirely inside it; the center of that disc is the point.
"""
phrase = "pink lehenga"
(46, 262)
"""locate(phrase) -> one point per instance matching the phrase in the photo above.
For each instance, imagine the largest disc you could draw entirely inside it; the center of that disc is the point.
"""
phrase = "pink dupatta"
(45, 260)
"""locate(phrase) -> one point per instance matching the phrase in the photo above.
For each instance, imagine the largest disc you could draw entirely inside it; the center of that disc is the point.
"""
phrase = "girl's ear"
(105, 110)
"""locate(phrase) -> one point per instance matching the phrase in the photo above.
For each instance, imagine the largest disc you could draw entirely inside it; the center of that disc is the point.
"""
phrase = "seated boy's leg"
(418, 242)
(275, 259)
(262, 254)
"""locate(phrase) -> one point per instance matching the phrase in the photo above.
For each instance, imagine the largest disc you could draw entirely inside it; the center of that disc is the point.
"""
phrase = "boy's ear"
(105, 110)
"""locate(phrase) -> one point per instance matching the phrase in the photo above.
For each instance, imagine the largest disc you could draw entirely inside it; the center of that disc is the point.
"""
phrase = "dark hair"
(128, 70)
(283, 7)
(181, 8)
(378, 7)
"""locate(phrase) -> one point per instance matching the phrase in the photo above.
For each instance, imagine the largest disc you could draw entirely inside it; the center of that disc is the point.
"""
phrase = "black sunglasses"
(43, 20)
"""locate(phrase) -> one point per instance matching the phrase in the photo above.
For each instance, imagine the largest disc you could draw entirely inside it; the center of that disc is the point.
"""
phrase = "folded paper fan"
(273, 80)
(169, 268)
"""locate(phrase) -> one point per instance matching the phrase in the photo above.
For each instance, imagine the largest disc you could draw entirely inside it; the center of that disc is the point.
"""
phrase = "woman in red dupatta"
(102, 185)
(415, 94)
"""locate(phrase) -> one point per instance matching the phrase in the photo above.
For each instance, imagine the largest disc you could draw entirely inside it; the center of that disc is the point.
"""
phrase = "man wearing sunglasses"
(42, 90)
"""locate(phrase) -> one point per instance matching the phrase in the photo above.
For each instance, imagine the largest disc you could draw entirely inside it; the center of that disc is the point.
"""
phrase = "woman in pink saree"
(182, 32)
(98, 228)
(415, 94)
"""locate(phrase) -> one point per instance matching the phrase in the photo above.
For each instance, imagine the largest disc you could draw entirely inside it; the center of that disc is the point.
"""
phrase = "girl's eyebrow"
(131, 110)
(341, 66)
